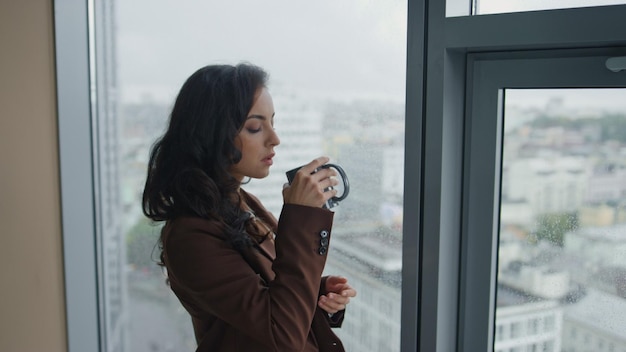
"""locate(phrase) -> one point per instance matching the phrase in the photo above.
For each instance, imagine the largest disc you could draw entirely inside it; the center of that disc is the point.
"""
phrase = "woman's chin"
(261, 174)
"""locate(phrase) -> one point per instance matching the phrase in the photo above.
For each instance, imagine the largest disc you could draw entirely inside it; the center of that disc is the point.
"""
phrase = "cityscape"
(562, 244)
(367, 230)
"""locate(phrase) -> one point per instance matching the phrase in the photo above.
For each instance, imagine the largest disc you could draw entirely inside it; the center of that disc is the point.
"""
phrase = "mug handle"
(344, 178)
(334, 200)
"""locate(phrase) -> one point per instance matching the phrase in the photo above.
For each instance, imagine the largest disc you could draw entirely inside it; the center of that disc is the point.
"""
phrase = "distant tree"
(614, 127)
(142, 244)
(552, 227)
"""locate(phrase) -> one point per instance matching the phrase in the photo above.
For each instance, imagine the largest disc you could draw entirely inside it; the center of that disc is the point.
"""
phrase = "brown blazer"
(261, 299)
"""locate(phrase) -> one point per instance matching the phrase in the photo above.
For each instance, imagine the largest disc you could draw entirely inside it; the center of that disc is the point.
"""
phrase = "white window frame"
(78, 198)
(435, 280)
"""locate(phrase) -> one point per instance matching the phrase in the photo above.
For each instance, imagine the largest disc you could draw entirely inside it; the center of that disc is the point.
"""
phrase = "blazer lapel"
(264, 254)
(267, 248)
(260, 261)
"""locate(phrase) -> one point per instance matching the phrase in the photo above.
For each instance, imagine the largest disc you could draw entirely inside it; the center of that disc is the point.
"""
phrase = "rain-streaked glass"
(337, 73)
(562, 241)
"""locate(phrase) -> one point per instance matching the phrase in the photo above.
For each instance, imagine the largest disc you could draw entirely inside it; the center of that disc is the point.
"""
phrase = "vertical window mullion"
(412, 220)
(77, 183)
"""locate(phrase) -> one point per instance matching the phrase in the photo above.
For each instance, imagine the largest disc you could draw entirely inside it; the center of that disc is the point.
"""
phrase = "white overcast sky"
(328, 46)
(333, 48)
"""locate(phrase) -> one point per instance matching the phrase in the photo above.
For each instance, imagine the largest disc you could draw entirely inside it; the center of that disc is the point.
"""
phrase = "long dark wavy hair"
(188, 171)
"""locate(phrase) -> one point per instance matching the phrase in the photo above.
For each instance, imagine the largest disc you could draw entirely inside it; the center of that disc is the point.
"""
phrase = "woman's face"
(257, 139)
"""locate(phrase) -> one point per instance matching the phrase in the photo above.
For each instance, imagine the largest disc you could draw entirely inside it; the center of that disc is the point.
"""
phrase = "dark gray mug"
(334, 201)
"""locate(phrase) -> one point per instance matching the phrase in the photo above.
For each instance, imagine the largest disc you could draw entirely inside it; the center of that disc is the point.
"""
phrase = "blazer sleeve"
(334, 320)
(218, 280)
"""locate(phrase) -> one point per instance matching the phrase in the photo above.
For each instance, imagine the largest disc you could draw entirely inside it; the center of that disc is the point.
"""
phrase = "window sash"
(489, 76)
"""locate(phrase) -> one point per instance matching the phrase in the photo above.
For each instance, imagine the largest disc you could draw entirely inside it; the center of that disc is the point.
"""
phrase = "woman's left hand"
(338, 293)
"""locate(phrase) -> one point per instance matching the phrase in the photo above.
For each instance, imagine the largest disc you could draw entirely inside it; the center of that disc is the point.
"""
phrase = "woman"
(249, 282)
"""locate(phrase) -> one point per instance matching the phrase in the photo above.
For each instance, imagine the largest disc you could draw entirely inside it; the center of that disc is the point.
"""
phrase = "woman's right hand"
(310, 187)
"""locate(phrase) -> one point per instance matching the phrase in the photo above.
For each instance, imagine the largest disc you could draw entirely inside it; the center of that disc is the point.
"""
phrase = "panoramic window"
(562, 241)
(337, 73)
(337, 78)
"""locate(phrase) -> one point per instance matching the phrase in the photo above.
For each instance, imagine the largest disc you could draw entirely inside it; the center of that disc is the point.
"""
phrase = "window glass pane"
(337, 72)
(483, 7)
(562, 241)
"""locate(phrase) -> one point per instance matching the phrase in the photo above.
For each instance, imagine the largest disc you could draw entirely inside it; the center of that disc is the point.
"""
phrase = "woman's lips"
(268, 159)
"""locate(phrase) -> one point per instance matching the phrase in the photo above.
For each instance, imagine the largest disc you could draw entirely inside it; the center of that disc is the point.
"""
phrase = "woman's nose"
(273, 138)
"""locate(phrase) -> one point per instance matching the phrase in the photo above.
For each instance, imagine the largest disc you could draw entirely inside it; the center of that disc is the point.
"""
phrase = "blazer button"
(324, 234)
(323, 250)
(324, 242)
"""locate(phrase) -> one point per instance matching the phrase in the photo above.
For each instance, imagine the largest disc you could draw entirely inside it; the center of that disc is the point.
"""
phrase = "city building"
(549, 185)
(607, 184)
(598, 246)
(525, 322)
(592, 323)
(371, 259)
(111, 244)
